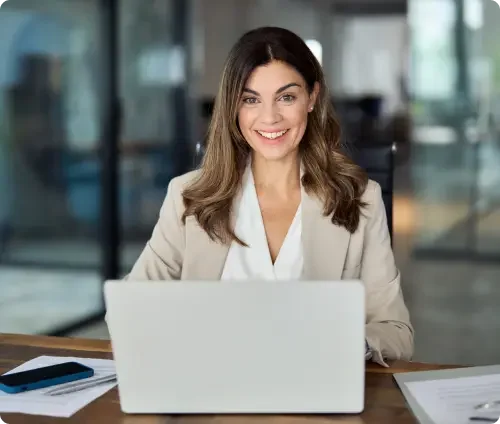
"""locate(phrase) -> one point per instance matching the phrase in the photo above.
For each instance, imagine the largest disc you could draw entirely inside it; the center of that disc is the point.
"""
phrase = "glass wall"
(456, 151)
(49, 134)
(157, 122)
(56, 130)
(452, 287)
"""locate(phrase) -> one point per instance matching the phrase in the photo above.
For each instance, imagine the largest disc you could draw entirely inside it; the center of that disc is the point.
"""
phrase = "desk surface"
(384, 402)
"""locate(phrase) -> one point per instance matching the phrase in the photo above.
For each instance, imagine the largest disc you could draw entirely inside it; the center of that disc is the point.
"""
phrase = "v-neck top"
(254, 262)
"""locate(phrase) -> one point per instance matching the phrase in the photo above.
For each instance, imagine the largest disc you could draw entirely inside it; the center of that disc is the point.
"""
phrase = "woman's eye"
(288, 98)
(250, 100)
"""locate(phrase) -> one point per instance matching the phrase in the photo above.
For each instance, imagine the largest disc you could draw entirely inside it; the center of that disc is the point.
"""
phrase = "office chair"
(377, 160)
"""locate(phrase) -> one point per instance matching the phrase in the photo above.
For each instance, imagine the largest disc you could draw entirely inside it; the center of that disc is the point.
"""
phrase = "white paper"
(452, 401)
(37, 402)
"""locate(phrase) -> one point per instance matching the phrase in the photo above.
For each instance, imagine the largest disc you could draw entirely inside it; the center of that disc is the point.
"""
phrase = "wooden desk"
(384, 402)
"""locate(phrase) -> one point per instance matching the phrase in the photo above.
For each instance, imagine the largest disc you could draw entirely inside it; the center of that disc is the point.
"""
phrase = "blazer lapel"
(325, 244)
(206, 258)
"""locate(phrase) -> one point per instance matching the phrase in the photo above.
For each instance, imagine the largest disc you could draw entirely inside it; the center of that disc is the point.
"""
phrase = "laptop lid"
(232, 347)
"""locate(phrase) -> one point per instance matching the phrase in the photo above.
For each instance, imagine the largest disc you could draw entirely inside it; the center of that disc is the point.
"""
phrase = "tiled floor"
(34, 300)
(454, 311)
(38, 301)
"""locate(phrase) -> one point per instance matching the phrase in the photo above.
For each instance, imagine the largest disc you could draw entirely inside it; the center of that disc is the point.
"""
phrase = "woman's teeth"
(272, 135)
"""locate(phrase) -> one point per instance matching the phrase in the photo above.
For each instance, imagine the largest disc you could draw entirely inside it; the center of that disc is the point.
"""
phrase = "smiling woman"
(271, 84)
(275, 198)
(273, 121)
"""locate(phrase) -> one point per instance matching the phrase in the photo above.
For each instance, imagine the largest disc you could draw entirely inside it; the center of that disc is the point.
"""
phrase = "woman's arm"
(388, 330)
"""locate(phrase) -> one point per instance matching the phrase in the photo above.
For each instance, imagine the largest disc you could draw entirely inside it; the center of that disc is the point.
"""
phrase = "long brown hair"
(328, 173)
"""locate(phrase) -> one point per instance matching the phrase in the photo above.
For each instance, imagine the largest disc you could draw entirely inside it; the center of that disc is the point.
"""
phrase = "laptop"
(197, 347)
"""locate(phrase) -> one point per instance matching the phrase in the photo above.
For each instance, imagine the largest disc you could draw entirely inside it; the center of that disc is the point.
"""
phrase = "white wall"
(226, 20)
(293, 15)
(371, 56)
(223, 21)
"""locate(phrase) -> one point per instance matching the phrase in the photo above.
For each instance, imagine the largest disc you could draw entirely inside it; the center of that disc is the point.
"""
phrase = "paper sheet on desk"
(36, 402)
(452, 400)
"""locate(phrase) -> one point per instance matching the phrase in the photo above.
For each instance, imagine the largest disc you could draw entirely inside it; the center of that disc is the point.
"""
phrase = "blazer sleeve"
(389, 332)
(162, 256)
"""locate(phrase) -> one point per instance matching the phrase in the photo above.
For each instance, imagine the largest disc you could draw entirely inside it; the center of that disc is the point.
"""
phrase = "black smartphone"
(39, 378)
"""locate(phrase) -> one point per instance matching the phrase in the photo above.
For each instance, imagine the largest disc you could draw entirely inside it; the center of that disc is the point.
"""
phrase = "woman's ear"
(313, 96)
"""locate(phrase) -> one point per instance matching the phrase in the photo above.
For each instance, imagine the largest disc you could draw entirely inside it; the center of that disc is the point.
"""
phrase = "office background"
(102, 102)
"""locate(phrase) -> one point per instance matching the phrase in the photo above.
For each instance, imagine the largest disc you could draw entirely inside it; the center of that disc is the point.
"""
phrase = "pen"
(82, 385)
(484, 419)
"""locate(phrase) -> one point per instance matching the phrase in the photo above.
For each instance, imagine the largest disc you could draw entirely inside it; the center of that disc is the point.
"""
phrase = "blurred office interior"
(102, 102)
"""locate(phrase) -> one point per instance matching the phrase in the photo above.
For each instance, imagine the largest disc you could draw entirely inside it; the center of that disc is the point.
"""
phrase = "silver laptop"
(238, 347)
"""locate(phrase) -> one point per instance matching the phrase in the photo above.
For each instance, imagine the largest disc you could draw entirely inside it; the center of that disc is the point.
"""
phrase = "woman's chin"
(275, 153)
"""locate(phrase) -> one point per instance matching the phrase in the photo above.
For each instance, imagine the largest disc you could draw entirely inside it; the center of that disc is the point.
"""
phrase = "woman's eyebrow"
(279, 90)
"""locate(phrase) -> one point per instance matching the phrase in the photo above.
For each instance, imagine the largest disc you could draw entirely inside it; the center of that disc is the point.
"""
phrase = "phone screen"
(43, 373)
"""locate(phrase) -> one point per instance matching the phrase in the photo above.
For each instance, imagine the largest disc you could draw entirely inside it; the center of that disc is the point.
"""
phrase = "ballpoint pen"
(82, 385)
(486, 407)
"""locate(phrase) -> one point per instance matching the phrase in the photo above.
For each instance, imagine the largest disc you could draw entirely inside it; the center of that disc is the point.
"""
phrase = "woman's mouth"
(272, 137)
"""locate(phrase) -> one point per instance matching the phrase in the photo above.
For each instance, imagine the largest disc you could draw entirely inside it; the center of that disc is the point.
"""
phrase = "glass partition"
(453, 79)
(156, 135)
(49, 179)
(67, 67)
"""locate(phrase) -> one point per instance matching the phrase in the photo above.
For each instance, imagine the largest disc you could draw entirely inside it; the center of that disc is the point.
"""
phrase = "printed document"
(453, 400)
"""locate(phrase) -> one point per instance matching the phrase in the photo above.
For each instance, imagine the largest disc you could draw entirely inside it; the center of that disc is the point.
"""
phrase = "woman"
(275, 198)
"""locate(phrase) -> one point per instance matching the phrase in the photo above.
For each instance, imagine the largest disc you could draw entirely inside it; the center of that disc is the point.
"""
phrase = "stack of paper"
(38, 402)
(452, 396)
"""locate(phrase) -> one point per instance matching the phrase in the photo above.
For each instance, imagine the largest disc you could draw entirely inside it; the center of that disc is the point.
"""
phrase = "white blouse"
(254, 262)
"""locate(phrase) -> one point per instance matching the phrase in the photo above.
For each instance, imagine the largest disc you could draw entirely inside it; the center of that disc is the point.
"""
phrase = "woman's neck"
(282, 176)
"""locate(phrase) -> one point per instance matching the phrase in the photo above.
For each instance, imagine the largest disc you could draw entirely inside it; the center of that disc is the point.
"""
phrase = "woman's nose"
(270, 114)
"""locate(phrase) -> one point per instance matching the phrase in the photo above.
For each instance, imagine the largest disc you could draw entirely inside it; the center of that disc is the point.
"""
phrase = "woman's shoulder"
(372, 192)
(179, 183)
(173, 199)
(373, 200)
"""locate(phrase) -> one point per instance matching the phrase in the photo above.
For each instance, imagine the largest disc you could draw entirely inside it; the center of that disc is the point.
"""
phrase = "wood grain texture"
(384, 402)
(56, 342)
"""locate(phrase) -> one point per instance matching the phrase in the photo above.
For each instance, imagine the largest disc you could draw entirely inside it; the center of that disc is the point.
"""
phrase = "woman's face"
(273, 110)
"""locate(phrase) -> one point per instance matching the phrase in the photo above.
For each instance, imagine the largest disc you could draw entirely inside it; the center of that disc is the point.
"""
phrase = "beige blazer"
(185, 252)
